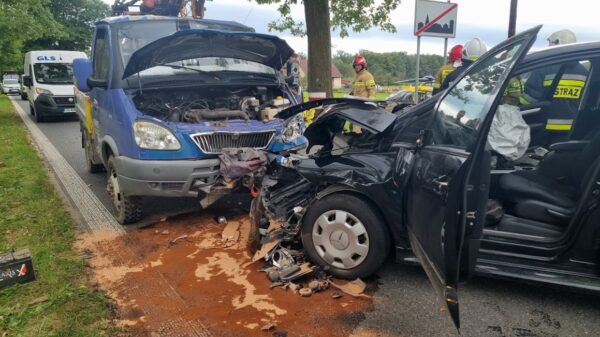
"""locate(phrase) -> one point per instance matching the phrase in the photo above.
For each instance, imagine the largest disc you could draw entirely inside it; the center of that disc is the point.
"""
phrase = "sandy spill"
(186, 270)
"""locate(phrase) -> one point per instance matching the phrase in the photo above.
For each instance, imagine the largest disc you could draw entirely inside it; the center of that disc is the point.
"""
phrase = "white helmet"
(474, 48)
(561, 37)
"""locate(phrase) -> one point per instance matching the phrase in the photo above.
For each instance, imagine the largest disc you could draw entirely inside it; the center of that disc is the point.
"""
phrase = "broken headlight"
(152, 136)
(293, 128)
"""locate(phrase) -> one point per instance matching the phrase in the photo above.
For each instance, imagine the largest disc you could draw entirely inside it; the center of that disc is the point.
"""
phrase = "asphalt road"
(65, 136)
(405, 304)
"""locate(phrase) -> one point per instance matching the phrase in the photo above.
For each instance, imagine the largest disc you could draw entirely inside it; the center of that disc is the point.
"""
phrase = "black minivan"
(422, 181)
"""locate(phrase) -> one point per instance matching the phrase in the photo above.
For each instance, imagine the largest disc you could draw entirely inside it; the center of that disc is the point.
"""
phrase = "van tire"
(359, 213)
(38, 117)
(87, 148)
(31, 110)
(128, 209)
(23, 97)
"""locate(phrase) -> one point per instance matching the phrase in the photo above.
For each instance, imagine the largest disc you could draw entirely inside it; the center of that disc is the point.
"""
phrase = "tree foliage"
(388, 68)
(346, 15)
(45, 24)
(78, 16)
(21, 20)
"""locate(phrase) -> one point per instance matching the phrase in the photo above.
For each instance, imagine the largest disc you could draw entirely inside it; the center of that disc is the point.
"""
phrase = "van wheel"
(87, 145)
(344, 234)
(38, 117)
(31, 110)
(23, 97)
(128, 208)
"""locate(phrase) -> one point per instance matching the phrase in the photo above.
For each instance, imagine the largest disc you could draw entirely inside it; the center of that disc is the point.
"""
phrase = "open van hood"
(198, 43)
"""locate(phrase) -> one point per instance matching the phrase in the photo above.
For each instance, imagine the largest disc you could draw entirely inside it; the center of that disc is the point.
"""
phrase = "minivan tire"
(128, 209)
(361, 217)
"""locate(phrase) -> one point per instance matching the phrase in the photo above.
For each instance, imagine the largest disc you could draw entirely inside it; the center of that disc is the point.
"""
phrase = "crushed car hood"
(360, 112)
(198, 43)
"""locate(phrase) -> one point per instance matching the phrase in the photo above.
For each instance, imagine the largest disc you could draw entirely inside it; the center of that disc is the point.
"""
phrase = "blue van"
(162, 96)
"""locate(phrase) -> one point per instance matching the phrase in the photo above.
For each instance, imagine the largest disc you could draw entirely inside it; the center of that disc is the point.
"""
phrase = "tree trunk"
(316, 13)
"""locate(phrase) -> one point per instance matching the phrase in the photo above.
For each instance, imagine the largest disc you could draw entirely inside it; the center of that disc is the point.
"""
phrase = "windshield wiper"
(175, 66)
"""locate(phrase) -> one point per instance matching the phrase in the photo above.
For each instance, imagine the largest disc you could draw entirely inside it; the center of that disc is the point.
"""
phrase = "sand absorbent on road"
(192, 276)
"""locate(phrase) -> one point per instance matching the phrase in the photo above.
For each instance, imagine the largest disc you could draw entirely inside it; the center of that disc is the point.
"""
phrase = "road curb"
(92, 212)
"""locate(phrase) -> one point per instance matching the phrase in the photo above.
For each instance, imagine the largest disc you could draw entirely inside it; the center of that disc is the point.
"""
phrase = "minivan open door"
(449, 186)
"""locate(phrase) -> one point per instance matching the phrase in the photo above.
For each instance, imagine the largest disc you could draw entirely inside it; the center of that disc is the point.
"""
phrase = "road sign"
(434, 18)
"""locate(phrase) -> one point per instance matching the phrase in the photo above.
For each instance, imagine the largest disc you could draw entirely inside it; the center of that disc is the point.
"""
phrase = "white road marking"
(91, 210)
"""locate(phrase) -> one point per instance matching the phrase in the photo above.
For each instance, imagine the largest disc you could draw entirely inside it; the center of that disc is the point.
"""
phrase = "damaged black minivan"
(422, 181)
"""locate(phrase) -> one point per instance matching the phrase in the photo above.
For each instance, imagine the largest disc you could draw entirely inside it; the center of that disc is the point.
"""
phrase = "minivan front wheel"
(345, 234)
(128, 209)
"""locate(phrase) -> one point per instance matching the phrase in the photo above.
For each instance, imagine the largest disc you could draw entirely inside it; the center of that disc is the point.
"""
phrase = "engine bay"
(195, 105)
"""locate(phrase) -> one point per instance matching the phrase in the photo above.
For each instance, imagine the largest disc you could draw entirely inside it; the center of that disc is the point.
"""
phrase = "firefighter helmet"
(455, 53)
(561, 37)
(474, 48)
(359, 60)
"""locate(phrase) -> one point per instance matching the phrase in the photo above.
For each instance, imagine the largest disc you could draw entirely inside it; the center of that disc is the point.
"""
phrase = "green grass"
(32, 216)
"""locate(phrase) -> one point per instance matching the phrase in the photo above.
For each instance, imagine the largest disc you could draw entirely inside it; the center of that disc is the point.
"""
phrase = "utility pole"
(512, 22)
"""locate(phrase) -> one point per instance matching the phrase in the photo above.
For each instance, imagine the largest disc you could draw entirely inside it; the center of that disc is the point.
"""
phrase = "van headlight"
(293, 128)
(152, 136)
(40, 91)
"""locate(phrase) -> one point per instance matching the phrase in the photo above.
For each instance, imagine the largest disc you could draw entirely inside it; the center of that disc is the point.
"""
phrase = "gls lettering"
(46, 58)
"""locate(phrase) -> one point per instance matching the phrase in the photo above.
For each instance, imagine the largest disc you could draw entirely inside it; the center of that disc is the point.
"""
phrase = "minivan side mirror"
(96, 83)
(27, 81)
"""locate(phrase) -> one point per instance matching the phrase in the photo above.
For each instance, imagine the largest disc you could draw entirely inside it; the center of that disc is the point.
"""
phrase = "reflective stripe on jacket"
(364, 85)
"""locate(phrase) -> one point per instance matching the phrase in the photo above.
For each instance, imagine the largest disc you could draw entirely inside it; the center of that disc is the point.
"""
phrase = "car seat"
(532, 195)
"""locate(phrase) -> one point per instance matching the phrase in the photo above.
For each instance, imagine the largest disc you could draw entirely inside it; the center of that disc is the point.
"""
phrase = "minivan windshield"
(10, 81)
(53, 73)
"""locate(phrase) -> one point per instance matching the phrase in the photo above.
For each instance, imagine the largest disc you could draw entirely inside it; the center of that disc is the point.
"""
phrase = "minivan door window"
(461, 112)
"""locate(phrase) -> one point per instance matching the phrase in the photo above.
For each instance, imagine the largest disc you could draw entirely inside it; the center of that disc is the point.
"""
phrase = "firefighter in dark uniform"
(565, 102)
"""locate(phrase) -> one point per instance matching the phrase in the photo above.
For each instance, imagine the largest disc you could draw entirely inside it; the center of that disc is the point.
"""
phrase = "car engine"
(197, 105)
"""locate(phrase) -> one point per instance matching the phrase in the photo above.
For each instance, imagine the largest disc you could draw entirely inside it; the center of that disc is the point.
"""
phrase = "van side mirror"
(96, 83)
(27, 81)
(82, 70)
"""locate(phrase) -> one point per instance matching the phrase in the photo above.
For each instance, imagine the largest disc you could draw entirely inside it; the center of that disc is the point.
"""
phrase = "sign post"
(433, 18)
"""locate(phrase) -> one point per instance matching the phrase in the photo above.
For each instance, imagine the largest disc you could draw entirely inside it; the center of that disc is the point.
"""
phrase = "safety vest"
(444, 71)
(563, 110)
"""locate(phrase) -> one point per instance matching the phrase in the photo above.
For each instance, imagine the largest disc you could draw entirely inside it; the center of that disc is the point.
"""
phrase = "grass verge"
(33, 216)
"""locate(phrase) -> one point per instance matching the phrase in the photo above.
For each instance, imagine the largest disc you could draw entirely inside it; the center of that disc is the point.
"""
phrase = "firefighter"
(363, 84)
(565, 100)
(455, 58)
(471, 51)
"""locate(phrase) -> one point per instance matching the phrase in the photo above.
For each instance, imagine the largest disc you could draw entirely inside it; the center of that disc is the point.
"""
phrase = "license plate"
(69, 110)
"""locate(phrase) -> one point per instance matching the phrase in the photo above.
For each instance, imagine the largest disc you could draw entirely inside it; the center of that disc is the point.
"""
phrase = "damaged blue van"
(162, 96)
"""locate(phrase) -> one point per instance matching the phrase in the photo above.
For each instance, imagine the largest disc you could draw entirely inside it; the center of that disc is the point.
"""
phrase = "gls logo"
(46, 58)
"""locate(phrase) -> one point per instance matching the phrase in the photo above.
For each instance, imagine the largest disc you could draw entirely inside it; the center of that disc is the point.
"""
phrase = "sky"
(486, 19)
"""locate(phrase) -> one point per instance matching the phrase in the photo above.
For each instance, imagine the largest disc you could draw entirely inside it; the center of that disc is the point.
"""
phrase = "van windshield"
(53, 73)
(10, 81)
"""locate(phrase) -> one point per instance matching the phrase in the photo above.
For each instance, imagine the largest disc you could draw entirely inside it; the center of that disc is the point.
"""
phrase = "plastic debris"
(305, 292)
(230, 234)
(354, 288)
(265, 250)
(318, 285)
(268, 326)
(336, 295)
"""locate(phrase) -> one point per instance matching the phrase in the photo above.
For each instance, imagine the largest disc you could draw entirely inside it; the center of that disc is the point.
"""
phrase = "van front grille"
(214, 143)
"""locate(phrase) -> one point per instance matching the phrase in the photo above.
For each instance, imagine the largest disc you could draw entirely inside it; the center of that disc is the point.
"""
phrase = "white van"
(48, 82)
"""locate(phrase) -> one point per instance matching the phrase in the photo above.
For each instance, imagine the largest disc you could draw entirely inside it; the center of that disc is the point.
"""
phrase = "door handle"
(441, 183)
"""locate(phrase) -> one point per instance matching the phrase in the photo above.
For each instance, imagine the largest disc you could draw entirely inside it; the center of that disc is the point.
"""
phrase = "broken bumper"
(166, 178)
